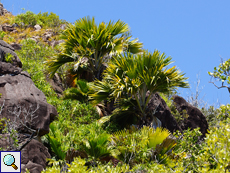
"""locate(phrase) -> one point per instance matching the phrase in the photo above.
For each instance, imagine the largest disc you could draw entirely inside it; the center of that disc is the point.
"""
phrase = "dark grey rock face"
(19, 92)
(6, 48)
(3, 11)
(156, 103)
(26, 107)
(195, 119)
(34, 156)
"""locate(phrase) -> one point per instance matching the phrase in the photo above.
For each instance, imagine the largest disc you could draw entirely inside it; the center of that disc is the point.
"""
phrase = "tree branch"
(27, 142)
(222, 86)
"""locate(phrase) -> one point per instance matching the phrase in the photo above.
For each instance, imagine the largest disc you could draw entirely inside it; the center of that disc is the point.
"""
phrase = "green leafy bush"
(97, 146)
(28, 18)
(188, 149)
(2, 34)
(221, 73)
(32, 56)
(5, 128)
(216, 150)
(85, 113)
(79, 92)
(216, 115)
(8, 57)
(49, 20)
(141, 146)
(79, 166)
(43, 19)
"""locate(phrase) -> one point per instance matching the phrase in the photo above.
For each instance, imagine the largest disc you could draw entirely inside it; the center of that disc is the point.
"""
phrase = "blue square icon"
(10, 161)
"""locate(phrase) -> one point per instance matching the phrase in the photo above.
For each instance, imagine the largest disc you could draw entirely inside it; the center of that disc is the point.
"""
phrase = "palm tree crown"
(131, 76)
(95, 42)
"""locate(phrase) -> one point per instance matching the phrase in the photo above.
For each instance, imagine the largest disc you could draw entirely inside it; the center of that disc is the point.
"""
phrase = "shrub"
(188, 149)
(49, 20)
(27, 18)
(7, 18)
(141, 146)
(32, 56)
(2, 34)
(83, 113)
(44, 19)
(216, 155)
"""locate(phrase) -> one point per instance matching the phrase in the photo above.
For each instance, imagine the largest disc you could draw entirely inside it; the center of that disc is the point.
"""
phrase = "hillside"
(110, 117)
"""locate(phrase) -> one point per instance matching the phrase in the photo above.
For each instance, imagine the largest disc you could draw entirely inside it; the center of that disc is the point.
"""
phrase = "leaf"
(104, 119)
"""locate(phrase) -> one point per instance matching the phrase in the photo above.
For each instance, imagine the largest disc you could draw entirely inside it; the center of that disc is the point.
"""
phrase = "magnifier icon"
(9, 160)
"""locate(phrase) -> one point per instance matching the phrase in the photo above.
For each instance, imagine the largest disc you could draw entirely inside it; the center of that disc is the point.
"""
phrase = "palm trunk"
(139, 105)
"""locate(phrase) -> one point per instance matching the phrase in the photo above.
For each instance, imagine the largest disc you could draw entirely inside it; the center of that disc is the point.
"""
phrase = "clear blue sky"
(194, 33)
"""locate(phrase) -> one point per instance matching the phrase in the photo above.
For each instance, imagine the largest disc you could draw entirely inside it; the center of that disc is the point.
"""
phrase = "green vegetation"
(43, 19)
(102, 143)
(2, 34)
(127, 79)
(32, 56)
(222, 73)
(96, 43)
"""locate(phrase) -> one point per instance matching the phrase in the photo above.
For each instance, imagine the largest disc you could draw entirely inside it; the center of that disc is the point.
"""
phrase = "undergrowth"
(97, 148)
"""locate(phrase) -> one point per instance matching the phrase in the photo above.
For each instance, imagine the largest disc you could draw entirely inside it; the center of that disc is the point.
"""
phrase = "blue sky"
(196, 34)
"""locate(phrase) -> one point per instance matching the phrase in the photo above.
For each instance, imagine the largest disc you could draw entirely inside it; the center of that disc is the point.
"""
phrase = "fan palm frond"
(87, 39)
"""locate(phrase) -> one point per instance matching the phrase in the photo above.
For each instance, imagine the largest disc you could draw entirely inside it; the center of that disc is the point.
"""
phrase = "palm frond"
(157, 136)
(79, 92)
(163, 150)
(55, 143)
(87, 39)
(97, 147)
(104, 119)
(55, 63)
(100, 90)
(134, 75)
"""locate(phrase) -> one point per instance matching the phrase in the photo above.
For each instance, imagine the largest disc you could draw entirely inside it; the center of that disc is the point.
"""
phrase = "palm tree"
(155, 144)
(131, 76)
(79, 92)
(91, 45)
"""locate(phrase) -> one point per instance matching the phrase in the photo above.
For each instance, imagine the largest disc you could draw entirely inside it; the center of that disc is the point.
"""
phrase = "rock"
(3, 11)
(56, 84)
(35, 38)
(33, 155)
(4, 44)
(63, 26)
(30, 26)
(37, 27)
(156, 103)
(29, 113)
(7, 68)
(6, 12)
(195, 119)
(8, 28)
(15, 25)
(35, 152)
(32, 167)
(16, 46)
(21, 25)
(54, 43)
(47, 35)
(6, 48)
(21, 96)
